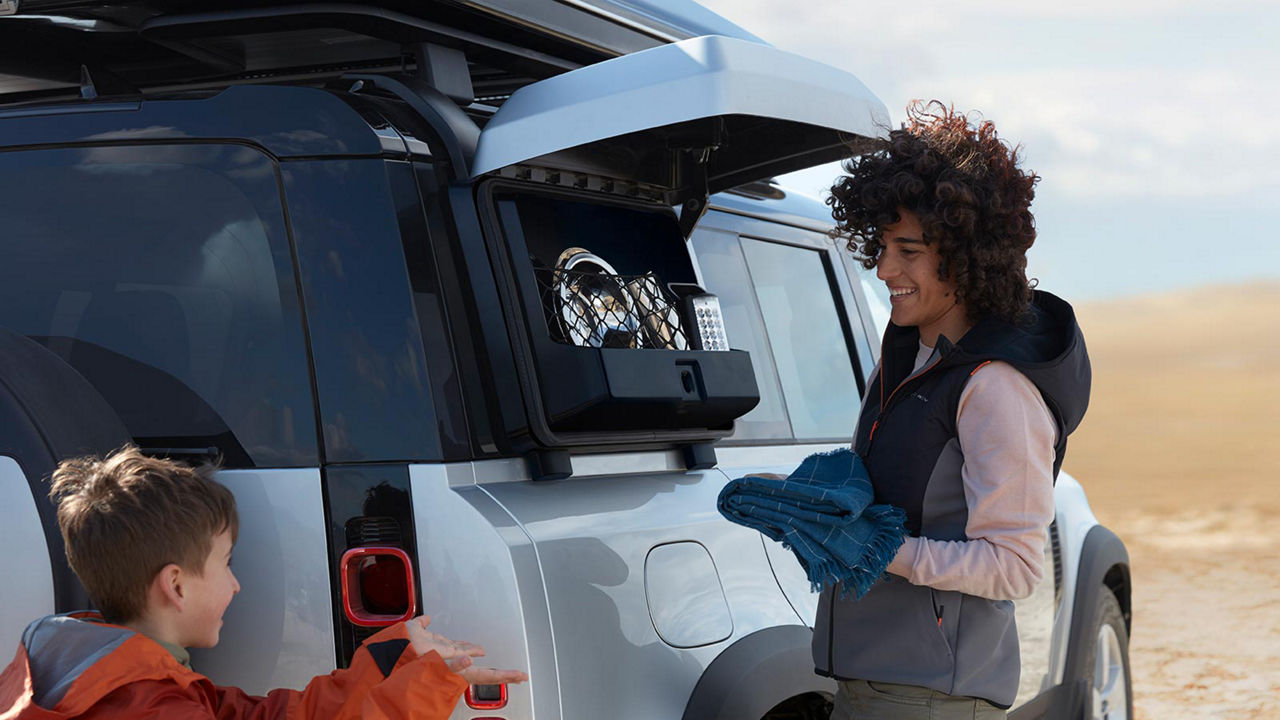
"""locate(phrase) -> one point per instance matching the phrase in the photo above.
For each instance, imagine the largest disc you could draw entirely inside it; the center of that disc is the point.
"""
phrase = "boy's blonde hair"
(126, 516)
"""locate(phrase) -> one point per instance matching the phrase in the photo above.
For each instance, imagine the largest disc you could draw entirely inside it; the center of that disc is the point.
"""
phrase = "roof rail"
(163, 48)
(376, 22)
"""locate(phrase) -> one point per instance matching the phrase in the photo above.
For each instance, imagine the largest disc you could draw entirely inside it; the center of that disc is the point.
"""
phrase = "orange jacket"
(75, 666)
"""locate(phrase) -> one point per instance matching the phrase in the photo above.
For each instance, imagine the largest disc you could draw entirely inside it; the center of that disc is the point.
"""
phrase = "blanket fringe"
(881, 548)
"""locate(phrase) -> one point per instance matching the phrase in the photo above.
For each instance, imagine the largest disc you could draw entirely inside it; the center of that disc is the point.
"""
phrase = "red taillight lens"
(385, 586)
(377, 586)
(487, 697)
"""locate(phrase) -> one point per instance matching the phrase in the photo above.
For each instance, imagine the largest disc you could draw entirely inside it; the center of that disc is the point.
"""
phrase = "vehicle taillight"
(377, 586)
(487, 697)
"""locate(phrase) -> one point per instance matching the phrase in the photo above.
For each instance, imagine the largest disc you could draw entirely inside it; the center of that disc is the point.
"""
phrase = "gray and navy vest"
(902, 633)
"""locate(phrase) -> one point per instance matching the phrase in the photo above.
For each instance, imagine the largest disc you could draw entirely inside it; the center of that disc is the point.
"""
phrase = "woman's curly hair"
(973, 202)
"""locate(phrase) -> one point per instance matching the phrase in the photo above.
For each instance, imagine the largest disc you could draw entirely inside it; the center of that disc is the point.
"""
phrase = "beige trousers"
(862, 700)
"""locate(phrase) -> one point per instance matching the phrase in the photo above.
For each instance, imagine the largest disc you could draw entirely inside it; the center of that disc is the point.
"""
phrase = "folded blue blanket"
(822, 512)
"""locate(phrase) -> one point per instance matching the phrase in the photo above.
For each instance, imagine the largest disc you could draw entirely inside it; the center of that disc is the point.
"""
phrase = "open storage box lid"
(763, 110)
(673, 124)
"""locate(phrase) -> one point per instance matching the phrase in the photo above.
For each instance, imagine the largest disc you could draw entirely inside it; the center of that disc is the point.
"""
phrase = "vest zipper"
(831, 631)
(884, 404)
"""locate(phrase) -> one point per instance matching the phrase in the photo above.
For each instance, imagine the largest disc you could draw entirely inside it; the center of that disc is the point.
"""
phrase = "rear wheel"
(1110, 687)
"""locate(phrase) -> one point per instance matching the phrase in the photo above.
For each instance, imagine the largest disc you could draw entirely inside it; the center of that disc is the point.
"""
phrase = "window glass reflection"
(811, 355)
(724, 272)
(163, 275)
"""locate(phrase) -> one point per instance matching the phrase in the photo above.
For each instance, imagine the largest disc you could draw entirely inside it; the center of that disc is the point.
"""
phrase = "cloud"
(1104, 10)
(1111, 100)
(1114, 133)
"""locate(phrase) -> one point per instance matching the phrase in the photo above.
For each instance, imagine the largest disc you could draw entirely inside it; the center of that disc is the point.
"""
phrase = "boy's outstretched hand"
(457, 655)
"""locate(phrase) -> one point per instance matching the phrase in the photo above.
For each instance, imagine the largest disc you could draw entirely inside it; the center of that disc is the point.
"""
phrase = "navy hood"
(1046, 346)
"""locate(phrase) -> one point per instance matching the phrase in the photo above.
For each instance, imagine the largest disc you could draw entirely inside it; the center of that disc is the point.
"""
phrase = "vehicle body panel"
(481, 580)
(674, 85)
(278, 632)
(739, 461)
(593, 535)
(285, 121)
(1075, 519)
(25, 557)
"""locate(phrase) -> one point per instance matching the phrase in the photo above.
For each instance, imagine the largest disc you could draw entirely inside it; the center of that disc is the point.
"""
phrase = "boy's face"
(208, 596)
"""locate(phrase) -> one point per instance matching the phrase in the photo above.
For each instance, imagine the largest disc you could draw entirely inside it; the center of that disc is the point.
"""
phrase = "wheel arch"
(1117, 579)
(1104, 564)
(756, 673)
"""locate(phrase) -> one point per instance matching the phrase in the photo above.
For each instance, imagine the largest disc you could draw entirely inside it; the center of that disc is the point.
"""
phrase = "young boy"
(151, 542)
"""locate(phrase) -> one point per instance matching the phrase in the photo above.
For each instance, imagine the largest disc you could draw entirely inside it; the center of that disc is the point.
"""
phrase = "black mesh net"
(599, 309)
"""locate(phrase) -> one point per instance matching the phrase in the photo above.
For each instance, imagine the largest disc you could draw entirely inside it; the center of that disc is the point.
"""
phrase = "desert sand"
(1180, 455)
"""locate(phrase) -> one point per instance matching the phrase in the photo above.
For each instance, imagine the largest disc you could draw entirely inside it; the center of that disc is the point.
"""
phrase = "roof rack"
(157, 51)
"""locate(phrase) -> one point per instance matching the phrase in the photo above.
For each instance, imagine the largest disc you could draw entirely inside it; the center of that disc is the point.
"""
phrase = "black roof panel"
(285, 121)
(154, 45)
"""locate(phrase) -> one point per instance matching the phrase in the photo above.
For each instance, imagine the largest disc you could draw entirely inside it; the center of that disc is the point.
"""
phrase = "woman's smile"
(909, 266)
(897, 295)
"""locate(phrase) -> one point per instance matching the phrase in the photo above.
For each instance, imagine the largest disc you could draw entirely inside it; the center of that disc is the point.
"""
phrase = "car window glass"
(813, 361)
(724, 273)
(877, 298)
(163, 275)
(370, 369)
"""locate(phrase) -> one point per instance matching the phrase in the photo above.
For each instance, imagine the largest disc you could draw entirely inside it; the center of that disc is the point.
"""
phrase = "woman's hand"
(457, 655)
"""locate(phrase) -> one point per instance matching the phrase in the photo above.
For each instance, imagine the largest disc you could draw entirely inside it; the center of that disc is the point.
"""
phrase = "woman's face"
(909, 267)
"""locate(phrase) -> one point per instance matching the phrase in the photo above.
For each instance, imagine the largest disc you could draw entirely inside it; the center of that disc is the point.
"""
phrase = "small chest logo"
(920, 397)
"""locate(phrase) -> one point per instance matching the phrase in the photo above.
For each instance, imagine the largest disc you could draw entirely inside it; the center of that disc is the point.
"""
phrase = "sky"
(1154, 124)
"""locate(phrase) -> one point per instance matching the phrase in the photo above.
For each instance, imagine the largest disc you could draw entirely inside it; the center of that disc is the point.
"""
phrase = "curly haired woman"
(964, 423)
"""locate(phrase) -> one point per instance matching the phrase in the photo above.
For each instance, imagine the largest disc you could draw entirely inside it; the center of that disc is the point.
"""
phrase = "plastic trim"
(1102, 552)
(350, 572)
(1059, 702)
(756, 673)
(458, 132)
(501, 702)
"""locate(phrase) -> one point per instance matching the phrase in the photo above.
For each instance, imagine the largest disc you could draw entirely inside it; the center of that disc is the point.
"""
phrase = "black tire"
(1102, 701)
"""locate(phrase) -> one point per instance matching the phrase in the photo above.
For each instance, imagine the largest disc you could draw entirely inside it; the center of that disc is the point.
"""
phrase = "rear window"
(815, 367)
(163, 275)
(780, 304)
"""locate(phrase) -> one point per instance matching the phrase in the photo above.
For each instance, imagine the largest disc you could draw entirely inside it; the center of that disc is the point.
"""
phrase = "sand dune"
(1180, 454)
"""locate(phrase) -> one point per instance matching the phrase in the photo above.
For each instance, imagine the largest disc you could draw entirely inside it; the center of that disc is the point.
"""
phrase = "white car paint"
(24, 565)
(278, 632)
(698, 78)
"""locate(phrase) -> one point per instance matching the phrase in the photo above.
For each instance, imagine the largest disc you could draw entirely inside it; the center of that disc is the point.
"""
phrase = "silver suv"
(479, 306)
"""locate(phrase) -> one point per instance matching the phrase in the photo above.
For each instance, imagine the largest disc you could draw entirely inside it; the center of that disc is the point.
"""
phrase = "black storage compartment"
(602, 284)
(627, 390)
